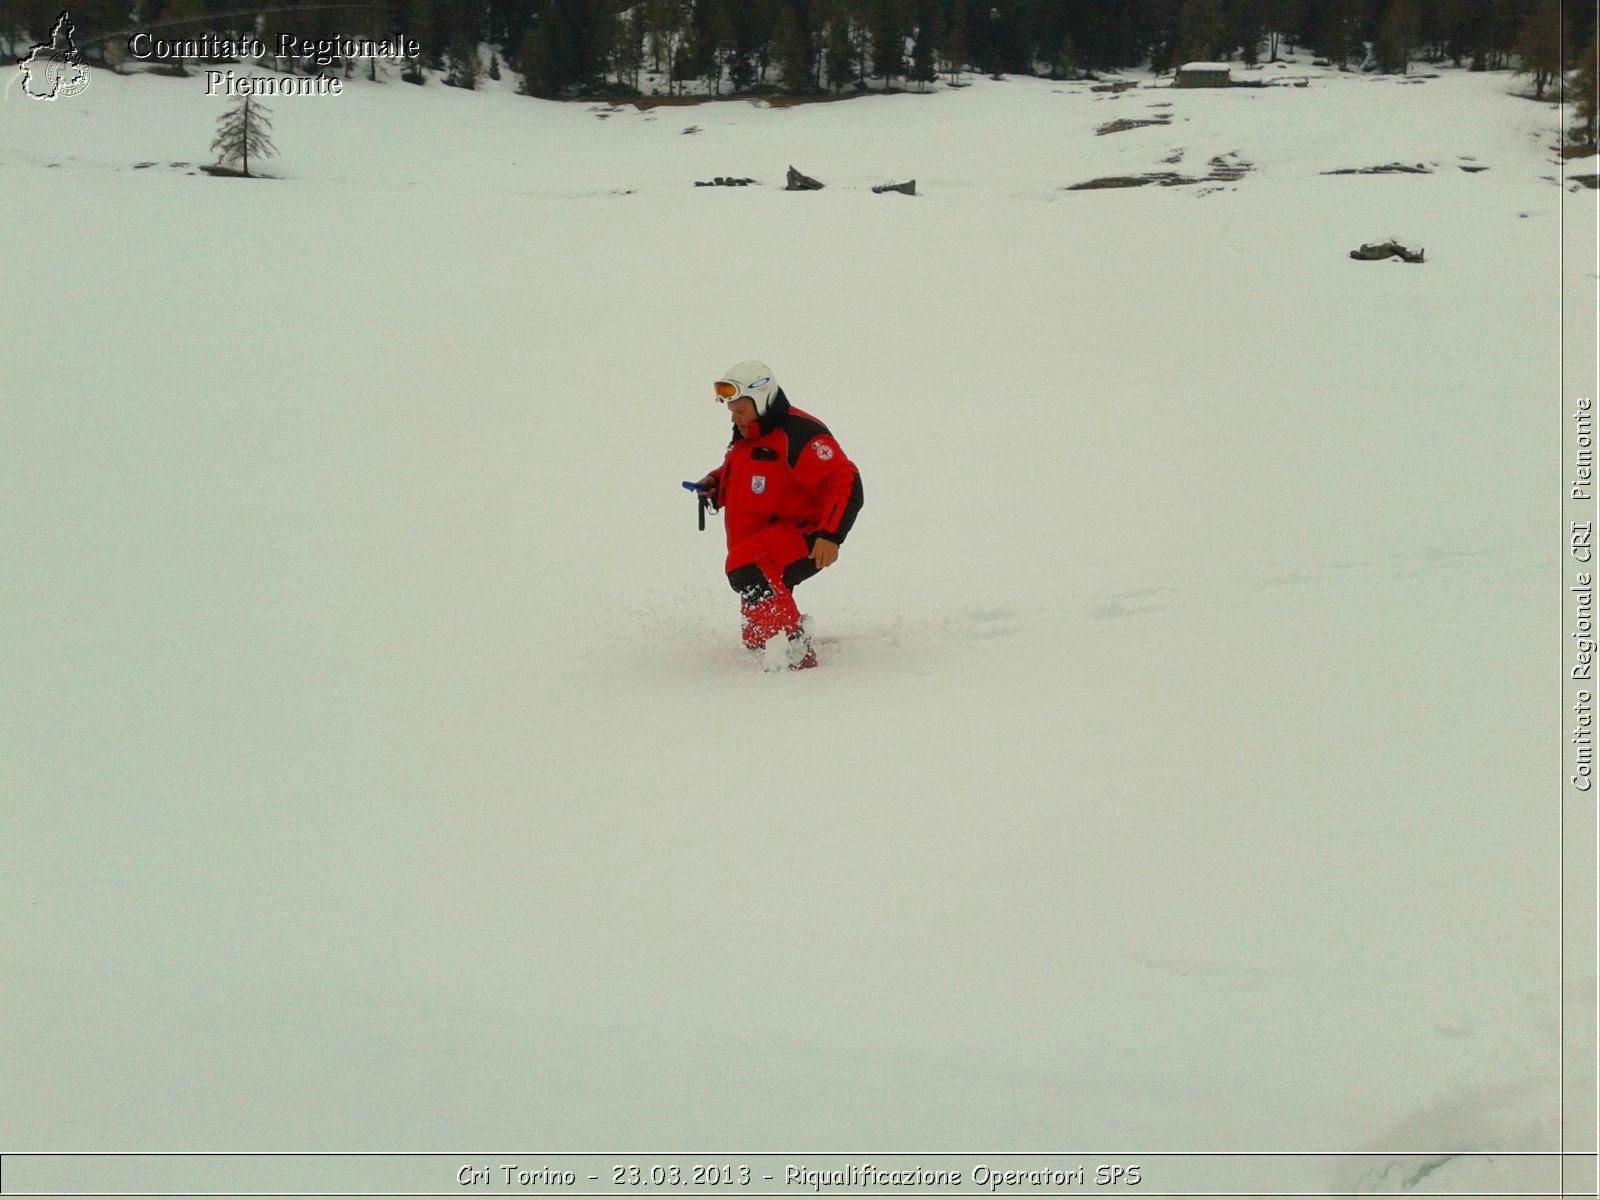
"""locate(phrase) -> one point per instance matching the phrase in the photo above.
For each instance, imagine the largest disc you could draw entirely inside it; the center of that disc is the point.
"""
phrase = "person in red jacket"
(788, 495)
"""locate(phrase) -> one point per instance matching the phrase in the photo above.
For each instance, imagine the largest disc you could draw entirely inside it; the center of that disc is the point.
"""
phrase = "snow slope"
(384, 771)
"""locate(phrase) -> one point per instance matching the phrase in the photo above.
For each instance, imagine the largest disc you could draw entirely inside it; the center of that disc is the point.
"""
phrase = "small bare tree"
(242, 131)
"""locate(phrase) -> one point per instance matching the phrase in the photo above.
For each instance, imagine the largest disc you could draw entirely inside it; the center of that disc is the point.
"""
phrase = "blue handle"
(697, 487)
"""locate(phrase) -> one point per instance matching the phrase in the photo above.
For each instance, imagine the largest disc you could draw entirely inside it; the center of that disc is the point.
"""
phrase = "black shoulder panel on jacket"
(801, 428)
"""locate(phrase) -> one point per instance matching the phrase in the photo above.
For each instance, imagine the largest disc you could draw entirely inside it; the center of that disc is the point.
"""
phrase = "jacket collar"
(776, 412)
(768, 421)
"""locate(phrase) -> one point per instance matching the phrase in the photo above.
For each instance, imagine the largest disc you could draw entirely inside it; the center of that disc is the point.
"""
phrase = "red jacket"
(793, 473)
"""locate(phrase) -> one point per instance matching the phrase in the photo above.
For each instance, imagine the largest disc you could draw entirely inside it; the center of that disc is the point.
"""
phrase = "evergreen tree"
(627, 54)
(888, 40)
(667, 31)
(13, 27)
(242, 131)
(837, 50)
(426, 26)
(661, 21)
(955, 42)
(1398, 34)
(1200, 31)
(790, 52)
(280, 19)
(1341, 31)
(983, 36)
(1122, 35)
(1491, 28)
(536, 64)
(375, 24)
(505, 24)
(768, 13)
(1539, 45)
(1437, 26)
(183, 19)
(1151, 32)
(1583, 22)
(1246, 27)
(683, 62)
(727, 53)
(925, 49)
(859, 19)
(1588, 98)
(317, 20)
(419, 23)
(1065, 63)
(1283, 19)
(461, 63)
(457, 24)
(923, 68)
(1069, 21)
(1019, 34)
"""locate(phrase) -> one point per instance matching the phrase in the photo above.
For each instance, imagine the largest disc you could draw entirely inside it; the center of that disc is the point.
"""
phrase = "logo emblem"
(824, 451)
(55, 68)
(758, 484)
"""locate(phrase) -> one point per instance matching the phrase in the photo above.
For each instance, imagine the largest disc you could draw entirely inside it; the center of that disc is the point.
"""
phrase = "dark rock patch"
(1164, 178)
(801, 183)
(1126, 123)
(1377, 251)
(1225, 168)
(1227, 171)
(1385, 169)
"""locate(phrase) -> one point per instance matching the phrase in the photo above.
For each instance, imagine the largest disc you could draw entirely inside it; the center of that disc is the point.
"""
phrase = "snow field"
(389, 768)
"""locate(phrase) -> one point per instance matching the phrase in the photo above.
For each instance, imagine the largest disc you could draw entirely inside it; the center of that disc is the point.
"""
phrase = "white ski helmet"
(753, 379)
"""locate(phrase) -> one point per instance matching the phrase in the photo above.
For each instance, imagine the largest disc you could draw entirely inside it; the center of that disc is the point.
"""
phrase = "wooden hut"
(1203, 74)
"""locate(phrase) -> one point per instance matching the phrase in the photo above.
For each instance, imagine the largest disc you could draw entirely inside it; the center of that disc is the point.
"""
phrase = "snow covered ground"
(382, 768)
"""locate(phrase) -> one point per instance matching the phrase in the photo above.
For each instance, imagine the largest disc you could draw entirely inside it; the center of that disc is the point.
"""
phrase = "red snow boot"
(773, 625)
(772, 617)
(783, 650)
(802, 655)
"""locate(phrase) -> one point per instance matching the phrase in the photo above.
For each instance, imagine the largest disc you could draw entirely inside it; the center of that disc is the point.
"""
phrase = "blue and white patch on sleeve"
(758, 484)
(824, 451)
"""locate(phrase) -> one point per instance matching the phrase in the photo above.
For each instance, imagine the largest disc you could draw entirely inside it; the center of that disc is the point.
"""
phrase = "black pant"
(751, 583)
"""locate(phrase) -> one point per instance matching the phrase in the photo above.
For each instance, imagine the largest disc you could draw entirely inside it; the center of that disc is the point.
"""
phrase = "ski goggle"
(726, 392)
